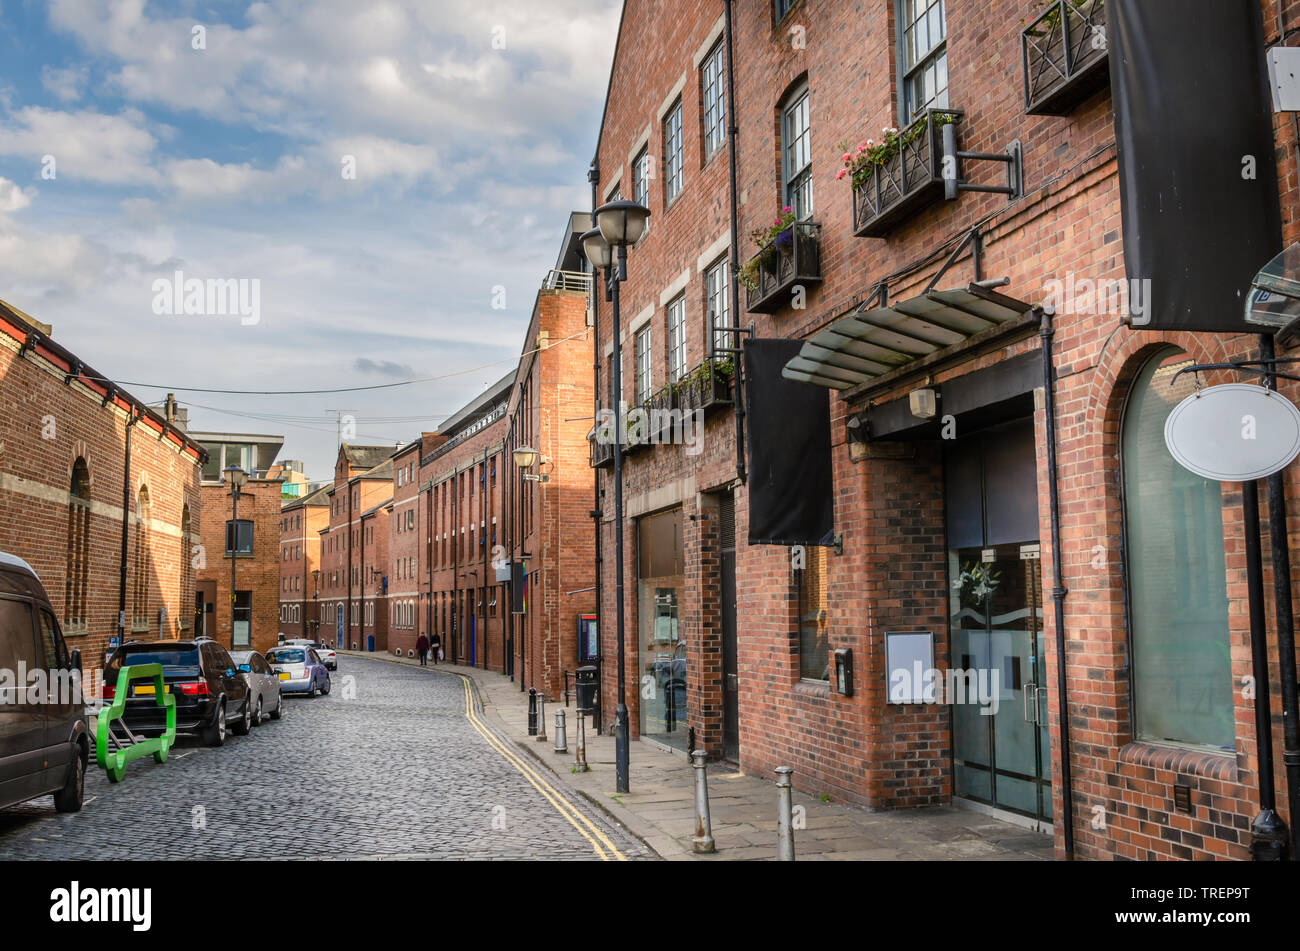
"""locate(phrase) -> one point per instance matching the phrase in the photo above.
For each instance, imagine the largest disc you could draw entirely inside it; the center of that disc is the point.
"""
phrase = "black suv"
(44, 745)
(208, 687)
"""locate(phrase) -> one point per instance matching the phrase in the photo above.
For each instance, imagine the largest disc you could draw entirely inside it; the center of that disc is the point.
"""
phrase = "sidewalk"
(660, 809)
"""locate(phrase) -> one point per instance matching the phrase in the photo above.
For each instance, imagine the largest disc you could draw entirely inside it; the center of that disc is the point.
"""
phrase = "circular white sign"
(1236, 432)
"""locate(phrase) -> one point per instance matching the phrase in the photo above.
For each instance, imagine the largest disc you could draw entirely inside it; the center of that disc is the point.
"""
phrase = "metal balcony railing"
(1063, 56)
(792, 259)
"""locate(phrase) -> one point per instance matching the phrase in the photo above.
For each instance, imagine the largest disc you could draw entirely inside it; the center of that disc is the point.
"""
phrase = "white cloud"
(13, 198)
(65, 84)
(87, 146)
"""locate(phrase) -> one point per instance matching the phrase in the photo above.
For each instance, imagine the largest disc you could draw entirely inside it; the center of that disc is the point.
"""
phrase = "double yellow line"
(600, 842)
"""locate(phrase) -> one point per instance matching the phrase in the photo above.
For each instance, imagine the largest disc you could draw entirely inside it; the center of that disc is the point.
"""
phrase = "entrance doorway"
(730, 674)
(1000, 740)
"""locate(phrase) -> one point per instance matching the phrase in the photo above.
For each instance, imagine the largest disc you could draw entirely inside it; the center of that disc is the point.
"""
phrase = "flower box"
(1063, 53)
(707, 387)
(910, 180)
(791, 259)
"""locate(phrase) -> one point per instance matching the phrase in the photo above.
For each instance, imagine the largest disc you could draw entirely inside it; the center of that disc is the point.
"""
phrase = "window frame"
(799, 578)
(239, 523)
(674, 167)
(675, 320)
(643, 380)
(722, 269)
(800, 96)
(713, 99)
(905, 74)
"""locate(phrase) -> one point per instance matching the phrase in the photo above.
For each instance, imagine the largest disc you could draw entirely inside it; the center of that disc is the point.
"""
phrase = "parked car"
(327, 654)
(300, 669)
(210, 693)
(263, 682)
(44, 744)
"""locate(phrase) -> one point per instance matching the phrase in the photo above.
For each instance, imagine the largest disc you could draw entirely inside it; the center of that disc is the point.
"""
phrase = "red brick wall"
(888, 501)
(407, 584)
(47, 425)
(302, 542)
(259, 500)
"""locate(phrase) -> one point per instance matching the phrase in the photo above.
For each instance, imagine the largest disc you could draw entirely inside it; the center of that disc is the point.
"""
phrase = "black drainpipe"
(126, 527)
(1059, 590)
(455, 565)
(737, 380)
(593, 176)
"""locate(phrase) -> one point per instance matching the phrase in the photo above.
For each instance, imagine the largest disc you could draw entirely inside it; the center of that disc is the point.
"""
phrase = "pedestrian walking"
(437, 647)
(422, 648)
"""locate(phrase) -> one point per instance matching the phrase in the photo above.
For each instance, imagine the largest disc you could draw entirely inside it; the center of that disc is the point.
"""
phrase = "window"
(782, 7)
(643, 365)
(239, 536)
(143, 562)
(673, 153)
(641, 178)
(813, 660)
(77, 580)
(243, 618)
(715, 101)
(923, 57)
(796, 152)
(676, 339)
(1177, 585)
(716, 303)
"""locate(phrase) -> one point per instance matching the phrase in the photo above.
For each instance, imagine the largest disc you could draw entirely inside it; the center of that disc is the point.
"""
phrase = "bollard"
(541, 718)
(703, 842)
(532, 711)
(580, 751)
(784, 812)
(561, 741)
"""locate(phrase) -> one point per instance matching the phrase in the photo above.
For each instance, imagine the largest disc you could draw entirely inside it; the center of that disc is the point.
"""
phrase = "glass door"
(1000, 739)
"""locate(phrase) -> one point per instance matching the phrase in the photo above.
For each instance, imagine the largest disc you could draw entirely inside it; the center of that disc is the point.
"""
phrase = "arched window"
(143, 563)
(1177, 592)
(78, 572)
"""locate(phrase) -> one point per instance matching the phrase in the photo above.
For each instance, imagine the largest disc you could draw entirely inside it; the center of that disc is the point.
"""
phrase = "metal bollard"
(541, 718)
(532, 711)
(703, 841)
(561, 741)
(580, 751)
(784, 814)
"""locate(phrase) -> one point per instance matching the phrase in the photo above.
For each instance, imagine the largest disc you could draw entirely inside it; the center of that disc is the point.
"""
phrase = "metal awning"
(870, 343)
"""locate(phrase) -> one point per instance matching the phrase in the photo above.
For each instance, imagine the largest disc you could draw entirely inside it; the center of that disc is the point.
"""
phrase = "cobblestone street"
(387, 766)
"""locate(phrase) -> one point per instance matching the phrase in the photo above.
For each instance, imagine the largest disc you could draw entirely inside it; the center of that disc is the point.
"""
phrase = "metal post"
(541, 718)
(561, 741)
(703, 842)
(620, 712)
(580, 751)
(1268, 834)
(532, 711)
(784, 815)
(234, 554)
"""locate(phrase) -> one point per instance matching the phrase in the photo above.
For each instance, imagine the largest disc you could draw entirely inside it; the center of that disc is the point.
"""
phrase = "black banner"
(1198, 186)
(789, 436)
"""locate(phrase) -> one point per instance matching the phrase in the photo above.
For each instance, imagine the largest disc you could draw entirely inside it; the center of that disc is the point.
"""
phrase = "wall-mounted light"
(526, 457)
(924, 403)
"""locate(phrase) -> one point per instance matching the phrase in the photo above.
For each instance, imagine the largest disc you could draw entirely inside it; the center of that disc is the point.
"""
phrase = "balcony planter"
(790, 259)
(1063, 53)
(707, 387)
(902, 176)
(602, 453)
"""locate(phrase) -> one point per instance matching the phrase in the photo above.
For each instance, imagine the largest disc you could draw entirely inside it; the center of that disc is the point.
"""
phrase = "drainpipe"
(1286, 667)
(593, 176)
(361, 529)
(737, 378)
(508, 538)
(126, 527)
(428, 558)
(455, 566)
(482, 543)
(1059, 590)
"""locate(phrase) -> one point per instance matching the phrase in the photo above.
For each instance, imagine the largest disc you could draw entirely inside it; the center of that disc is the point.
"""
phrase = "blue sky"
(469, 124)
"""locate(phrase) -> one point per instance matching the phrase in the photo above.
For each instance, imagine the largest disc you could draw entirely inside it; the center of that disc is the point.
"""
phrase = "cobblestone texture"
(396, 772)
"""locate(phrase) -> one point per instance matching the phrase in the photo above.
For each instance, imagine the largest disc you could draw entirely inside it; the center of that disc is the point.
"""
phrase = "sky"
(295, 195)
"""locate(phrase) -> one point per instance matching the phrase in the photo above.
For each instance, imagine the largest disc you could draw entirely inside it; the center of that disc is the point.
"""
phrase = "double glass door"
(1000, 740)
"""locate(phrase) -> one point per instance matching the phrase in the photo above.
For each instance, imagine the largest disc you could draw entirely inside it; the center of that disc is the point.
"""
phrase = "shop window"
(813, 660)
(243, 618)
(1175, 571)
(662, 639)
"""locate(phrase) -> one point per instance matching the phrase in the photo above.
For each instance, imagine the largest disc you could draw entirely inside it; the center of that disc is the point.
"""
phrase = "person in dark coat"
(436, 646)
(422, 648)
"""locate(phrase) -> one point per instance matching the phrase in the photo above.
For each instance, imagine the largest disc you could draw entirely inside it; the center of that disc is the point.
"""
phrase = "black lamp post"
(235, 478)
(618, 224)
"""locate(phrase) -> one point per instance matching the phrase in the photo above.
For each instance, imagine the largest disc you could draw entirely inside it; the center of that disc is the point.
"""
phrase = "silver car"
(263, 685)
(327, 655)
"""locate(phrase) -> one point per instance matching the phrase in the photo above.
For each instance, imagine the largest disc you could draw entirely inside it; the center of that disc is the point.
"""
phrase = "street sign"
(1237, 432)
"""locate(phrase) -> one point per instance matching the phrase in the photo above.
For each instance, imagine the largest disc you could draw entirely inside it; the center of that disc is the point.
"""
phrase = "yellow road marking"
(548, 792)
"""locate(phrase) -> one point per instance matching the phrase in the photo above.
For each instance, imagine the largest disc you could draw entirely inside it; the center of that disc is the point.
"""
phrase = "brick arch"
(79, 450)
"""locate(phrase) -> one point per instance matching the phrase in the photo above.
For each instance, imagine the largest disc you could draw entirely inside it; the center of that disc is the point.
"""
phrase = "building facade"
(301, 520)
(927, 324)
(244, 533)
(101, 495)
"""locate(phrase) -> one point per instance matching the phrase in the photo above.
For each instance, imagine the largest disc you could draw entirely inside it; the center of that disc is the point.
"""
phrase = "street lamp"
(618, 224)
(235, 477)
(525, 458)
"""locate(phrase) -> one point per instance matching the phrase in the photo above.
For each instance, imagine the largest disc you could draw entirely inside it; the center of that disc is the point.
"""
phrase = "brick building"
(409, 548)
(549, 506)
(461, 481)
(898, 301)
(301, 520)
(246, 533)
(75, 445)
(352, 607)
